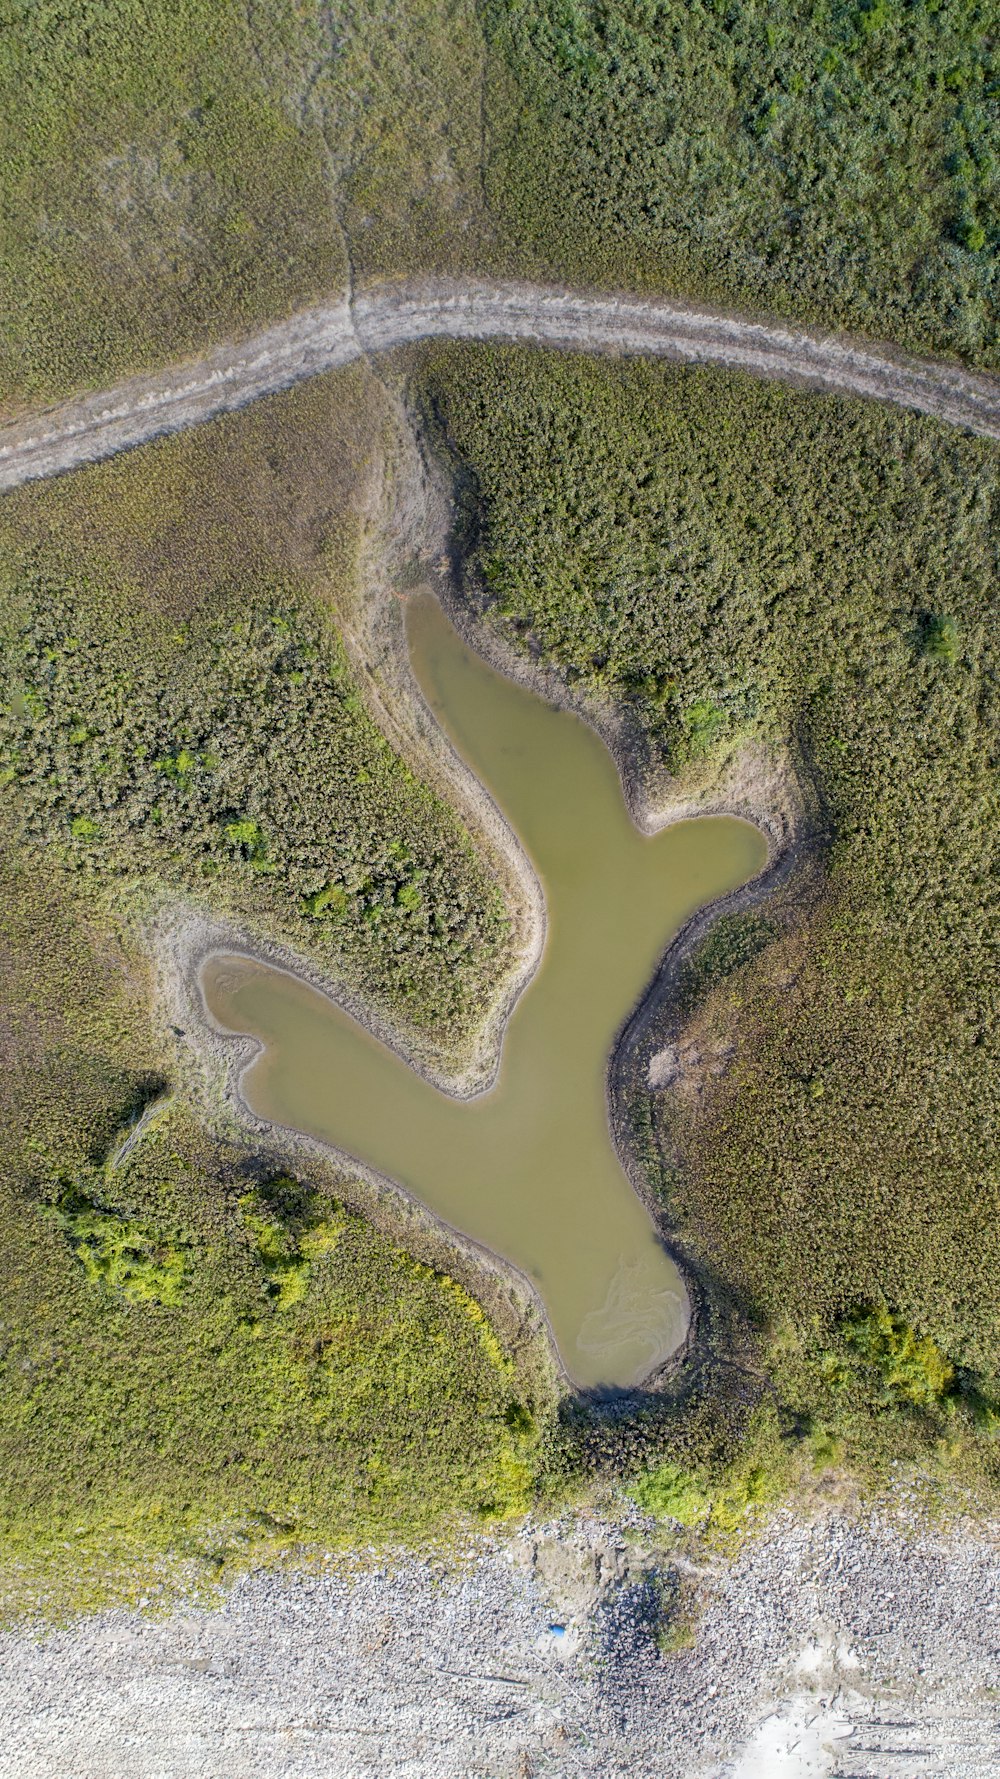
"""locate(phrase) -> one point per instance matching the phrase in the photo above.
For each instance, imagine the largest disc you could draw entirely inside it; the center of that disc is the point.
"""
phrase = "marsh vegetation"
(176, 175)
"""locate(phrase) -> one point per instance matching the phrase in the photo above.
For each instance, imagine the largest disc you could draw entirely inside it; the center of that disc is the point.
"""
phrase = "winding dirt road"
(330, 335)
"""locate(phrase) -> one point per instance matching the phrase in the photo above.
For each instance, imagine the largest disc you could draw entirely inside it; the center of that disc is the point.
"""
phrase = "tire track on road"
(377, 321)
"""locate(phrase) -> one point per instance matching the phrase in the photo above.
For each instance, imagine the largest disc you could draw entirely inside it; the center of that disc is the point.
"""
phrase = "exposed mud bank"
(409, 540)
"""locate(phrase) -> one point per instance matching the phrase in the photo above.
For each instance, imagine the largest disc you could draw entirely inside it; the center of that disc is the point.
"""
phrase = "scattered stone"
(861, 1647)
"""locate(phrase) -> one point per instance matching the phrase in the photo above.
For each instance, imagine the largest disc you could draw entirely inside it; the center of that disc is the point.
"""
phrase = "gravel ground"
(838, 1648)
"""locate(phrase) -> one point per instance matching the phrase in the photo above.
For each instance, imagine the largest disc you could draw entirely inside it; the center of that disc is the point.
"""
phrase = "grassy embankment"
(196, 1360)
(178, 175)
(738, 562)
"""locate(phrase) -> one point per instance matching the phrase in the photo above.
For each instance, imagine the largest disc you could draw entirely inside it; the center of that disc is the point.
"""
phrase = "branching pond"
(528, 1168)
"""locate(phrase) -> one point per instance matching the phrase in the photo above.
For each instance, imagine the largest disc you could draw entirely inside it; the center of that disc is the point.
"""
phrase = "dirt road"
(322, 338)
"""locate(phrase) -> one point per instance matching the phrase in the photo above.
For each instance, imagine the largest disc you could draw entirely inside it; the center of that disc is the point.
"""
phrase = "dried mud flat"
(861, 1649)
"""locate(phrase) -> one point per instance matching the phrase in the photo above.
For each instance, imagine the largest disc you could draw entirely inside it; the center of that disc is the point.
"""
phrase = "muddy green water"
(528, 1168)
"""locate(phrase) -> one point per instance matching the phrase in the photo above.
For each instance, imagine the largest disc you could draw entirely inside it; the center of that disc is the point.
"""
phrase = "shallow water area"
(529, 1168)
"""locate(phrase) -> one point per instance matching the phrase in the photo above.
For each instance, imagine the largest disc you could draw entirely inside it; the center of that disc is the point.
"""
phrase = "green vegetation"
(871, 1381)
(831, 162)
(720, 1494)
(668, 1492)
(401, 108)
(176, 175)
(664, 537)
(291, 1227)
(909, 1368)
(732, 941)
(258, 1388)
(206, 1360)
(164, 736)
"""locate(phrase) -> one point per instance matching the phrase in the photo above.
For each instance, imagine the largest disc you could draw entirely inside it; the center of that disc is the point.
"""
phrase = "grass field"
(181, 715)
(736, 562)
(176, 175)
(161, 186)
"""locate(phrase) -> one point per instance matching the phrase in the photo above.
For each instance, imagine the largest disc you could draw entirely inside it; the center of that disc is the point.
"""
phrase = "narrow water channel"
(528, 1168)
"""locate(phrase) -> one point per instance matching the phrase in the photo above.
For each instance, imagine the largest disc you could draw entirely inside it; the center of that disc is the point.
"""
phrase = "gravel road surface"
(857, 1650)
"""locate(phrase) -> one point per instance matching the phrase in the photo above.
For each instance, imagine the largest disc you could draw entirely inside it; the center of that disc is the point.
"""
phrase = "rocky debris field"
(864, 1649)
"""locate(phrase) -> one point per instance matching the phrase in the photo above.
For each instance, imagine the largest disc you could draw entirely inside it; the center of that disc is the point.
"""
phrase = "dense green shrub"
(733, 941)
(145, 1265)
(910, 1367)
(291, 1227)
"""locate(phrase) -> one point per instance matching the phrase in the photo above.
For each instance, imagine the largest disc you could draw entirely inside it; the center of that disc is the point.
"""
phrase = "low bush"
(143, 1264)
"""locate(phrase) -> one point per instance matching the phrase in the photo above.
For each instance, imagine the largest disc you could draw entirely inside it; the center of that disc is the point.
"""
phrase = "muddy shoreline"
(412, 539)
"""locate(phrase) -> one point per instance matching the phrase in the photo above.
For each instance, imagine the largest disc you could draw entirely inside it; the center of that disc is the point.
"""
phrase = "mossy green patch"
(145, 1265)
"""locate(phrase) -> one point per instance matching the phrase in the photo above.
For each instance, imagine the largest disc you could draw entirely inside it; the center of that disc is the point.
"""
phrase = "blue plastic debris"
(558, 1630)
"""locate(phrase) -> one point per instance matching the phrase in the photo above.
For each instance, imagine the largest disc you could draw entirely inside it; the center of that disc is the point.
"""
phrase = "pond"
(528, 1168)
